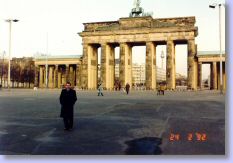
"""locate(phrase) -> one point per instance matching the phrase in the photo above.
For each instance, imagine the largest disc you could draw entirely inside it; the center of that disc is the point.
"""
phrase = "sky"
(56, 23)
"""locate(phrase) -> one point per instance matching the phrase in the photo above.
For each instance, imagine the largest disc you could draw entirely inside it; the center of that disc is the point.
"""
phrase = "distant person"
(127, 87)
(67, 100)
(161, 89)
(100, 89)
(119, 86)
(115, 86)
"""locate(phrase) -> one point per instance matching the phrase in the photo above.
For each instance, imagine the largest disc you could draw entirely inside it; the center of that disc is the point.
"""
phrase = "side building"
(213, 59)
(60, 69)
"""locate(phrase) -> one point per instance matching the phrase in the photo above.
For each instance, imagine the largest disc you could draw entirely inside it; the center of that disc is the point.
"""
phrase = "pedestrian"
(100, 89)
(127, 87)
(116, 86)
(67, 100)
(161, 89)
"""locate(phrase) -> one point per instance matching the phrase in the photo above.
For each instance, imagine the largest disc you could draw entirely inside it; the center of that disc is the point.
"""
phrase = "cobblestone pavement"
(179, 123)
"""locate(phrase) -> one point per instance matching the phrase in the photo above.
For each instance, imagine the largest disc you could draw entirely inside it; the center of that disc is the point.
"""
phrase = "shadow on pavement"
(144, 146)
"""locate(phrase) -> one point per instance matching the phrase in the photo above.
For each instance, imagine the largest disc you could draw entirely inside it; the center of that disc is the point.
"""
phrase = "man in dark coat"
(67, 100)
(127, 87)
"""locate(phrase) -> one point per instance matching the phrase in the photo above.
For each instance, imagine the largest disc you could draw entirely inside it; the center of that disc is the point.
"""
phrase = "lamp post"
(220, 41)
(9, 59)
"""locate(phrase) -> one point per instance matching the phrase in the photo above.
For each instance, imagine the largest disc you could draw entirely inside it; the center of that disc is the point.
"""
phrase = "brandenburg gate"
(137, 31)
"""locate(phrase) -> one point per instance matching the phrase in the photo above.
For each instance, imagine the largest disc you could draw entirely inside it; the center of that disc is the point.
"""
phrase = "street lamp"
(9, 62)
(213, 6)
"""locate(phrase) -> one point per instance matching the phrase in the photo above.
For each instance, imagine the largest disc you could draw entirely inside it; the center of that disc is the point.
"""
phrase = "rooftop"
(211, 53)
(59, 57)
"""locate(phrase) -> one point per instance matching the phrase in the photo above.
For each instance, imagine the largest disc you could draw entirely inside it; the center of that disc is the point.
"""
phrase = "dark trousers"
(100, 93)
(160, 92)
(68, 122)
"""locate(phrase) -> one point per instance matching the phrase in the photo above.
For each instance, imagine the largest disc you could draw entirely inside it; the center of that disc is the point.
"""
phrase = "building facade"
(60, 69)
(28, 72)
(136, 31)
(69, 68)
(213, 59)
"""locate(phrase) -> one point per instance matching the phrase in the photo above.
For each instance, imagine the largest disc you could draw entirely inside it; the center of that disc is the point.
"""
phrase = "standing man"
(100, 89)
(127, 87)
(67, 100)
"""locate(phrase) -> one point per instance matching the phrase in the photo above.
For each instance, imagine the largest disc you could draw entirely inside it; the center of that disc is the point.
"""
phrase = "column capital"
(149, 43)
(191, 41)
(123, 43)
(104, 44)
(170, 41)
(85, 44)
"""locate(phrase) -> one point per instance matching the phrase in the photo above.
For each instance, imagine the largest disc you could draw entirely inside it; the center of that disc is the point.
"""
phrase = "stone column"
(71, 70)
(125, 64)
(93, 67)
(59, 78)
(224, 77)
(196, 78)
(214, 76)
(200, 75)
(171, 70)
(107, 67)
(50, 77)
(192, 84)
(130, 67)
(67, 73)
(55, 76)
(44, 73)
(41, 77)
(89, 67)
(150, 66)
(211, 76)
(73, 74)
(112, 67)
(85, 63)
(36, 81)
(218, 75)
(77, 76)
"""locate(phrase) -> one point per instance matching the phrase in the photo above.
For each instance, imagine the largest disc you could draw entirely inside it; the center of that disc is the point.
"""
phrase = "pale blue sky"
(62, 20)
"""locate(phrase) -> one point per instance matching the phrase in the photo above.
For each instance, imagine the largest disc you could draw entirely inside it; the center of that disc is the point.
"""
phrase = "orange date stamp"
(197, 136)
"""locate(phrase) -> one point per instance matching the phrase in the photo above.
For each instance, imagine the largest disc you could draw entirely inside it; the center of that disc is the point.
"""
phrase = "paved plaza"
(179, 123)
